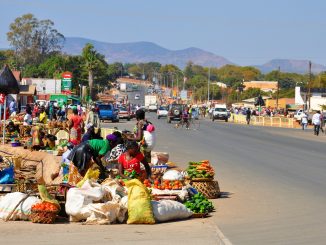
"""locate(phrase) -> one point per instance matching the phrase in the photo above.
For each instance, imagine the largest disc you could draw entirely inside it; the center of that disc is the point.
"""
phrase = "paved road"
(273, 179)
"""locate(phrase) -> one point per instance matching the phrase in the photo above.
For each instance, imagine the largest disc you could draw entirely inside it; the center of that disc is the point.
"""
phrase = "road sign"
(66, 82)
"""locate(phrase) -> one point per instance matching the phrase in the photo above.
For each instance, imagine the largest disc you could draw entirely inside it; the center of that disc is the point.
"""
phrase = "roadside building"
(283, 103)
(317, 98)
(266, 86)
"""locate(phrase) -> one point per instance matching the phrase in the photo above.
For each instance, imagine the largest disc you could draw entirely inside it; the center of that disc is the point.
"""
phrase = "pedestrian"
(12, 107)
(28, 120)
(304, 121)
(322, 122)
(248, 115)
(43, 118)
(316, 122)
(76, 126)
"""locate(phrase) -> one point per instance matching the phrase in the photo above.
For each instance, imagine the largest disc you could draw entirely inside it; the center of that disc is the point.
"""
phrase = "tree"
(92, 60)
(33, 40)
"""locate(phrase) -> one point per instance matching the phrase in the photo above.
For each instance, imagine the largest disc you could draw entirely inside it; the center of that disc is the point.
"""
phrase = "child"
(130, 162)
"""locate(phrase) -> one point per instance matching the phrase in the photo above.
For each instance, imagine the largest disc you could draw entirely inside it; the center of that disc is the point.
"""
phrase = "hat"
(111, 137)
(89, 125)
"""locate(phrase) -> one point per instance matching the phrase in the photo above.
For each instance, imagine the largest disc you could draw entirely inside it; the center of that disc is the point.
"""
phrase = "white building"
(44, 85)
(317, 98)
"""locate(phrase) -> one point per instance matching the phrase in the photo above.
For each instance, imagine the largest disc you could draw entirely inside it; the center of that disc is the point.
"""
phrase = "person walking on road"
(248, 115)
(304, 121)
(316, 122)
(322, 122)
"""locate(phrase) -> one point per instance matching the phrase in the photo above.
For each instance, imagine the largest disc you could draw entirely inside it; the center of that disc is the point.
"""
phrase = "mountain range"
(137, 52)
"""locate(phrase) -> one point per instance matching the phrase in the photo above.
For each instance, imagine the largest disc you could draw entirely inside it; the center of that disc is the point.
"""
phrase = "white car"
(137, 97)
(162, 112)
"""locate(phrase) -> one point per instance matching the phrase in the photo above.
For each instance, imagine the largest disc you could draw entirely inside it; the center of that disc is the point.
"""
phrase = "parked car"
(108, 112)
(220, 113)
(137, 97)
(175, 112)
(162, 112)
(124, 113)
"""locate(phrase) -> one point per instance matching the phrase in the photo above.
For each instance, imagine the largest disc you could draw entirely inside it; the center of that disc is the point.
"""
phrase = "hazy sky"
(246, 32)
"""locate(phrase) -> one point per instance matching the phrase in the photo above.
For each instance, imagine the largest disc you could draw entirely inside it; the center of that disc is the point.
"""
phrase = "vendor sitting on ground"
(95, 149)
(12, 128)
(130, 163)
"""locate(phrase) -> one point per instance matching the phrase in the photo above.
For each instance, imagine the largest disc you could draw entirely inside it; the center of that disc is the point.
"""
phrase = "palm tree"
(91, 58)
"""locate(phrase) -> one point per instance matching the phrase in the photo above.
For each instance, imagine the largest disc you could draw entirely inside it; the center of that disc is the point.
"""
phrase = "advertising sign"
(66, 82)
(184, 94)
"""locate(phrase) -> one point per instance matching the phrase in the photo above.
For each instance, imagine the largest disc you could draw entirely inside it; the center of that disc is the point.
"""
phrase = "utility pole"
(278, 86)
(309, 87)
(208, 82)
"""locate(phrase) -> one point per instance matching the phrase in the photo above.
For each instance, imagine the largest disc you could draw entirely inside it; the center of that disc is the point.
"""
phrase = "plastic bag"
(150, 140)
(46, 197)
(90, 174)
(139, 203)
(166, 210)
(7, 175)
(9, 202)
(173, 175)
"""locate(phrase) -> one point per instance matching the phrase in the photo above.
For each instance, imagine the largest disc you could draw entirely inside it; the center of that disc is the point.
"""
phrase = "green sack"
(139, 203)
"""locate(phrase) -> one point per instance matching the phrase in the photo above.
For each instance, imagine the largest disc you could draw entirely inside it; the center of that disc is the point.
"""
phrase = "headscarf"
(111, 137)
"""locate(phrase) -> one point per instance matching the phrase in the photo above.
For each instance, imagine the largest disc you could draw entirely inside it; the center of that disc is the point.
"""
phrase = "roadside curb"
(221, 238)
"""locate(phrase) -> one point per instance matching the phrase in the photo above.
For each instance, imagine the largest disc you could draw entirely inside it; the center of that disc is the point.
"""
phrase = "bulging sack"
(139, 203)
(150, 140)
(166, 210)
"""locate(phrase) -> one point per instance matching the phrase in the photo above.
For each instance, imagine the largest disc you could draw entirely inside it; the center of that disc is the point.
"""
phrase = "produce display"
(201, 169)
(45, 206)
(199, 204)
(164, 185)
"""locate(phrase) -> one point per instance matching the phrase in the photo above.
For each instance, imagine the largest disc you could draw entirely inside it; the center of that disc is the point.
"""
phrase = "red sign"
(66, 74)
(2, 99)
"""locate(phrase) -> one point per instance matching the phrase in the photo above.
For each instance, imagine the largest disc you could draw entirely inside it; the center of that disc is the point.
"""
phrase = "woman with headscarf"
(76, 124)
(95, 149)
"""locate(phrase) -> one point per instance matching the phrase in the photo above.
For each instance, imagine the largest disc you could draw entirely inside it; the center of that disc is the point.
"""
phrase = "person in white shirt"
(316, 122)
(304, 121)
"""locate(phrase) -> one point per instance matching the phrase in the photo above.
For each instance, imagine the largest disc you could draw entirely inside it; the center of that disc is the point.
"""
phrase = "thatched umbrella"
(8, 85)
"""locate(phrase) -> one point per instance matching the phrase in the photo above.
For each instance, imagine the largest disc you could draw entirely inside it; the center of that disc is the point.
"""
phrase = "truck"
(123, 87)
(220, 112)
(151, 103)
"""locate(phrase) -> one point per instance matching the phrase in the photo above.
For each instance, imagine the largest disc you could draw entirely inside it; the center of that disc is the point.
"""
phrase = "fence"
(282, 122)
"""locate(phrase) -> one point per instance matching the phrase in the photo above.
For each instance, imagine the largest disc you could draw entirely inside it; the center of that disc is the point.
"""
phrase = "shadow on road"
(225, 194)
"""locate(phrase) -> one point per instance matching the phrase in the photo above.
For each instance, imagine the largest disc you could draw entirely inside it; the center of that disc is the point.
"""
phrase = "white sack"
(9, 202)
(166, 210)
(173, 175)
(150, 140)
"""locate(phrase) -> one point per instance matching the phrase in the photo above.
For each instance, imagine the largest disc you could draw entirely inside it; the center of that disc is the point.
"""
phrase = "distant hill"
(287, 65)
(145, 52)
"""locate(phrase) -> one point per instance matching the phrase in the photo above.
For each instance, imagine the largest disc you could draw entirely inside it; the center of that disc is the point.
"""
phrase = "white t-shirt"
(316, 119)
(27, 119)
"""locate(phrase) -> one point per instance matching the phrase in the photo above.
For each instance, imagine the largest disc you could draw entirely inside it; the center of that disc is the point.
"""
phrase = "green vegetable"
(199, 204)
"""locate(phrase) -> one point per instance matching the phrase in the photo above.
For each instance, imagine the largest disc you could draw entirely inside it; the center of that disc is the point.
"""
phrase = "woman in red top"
(131, 160)
(76, 124)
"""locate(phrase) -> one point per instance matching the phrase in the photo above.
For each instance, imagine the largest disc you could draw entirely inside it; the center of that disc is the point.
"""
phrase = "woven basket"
(23, 186)
(199, 215)
(210, 189)
(43, 217)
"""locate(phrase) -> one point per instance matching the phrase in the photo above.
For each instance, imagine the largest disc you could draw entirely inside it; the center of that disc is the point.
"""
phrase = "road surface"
(273, 179)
